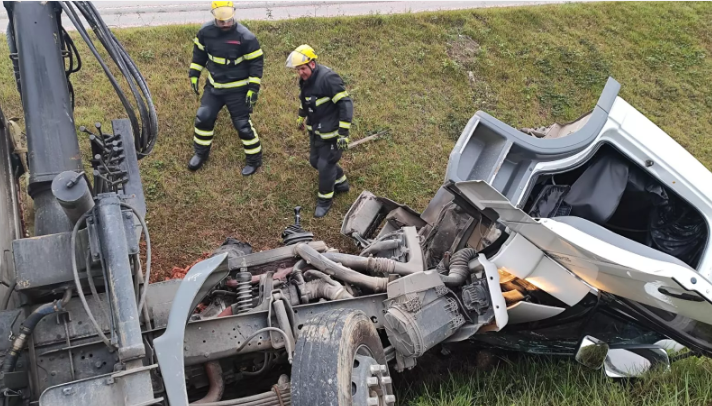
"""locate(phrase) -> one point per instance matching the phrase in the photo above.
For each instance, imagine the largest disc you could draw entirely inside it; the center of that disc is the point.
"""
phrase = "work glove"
(251, 99)
(194, 84)
(300, 123)
(342, 143)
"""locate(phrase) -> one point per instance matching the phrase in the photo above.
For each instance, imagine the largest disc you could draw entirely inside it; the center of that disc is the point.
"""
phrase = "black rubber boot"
(253, 162)
(342, 187)
(322, 207)
(197, 161)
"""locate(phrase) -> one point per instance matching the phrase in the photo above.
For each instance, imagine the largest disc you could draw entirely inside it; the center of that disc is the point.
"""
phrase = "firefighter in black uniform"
(234, 60)
(326, 110)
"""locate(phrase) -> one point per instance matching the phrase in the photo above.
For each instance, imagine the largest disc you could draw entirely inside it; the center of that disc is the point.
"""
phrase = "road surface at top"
(118, 14)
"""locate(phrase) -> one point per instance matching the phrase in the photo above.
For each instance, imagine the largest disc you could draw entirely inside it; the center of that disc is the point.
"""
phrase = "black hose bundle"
(459, 268)
(146, 132)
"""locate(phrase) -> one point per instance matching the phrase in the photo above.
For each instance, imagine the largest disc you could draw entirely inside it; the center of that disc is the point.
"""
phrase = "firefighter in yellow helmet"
(234, 60)
(326, 111)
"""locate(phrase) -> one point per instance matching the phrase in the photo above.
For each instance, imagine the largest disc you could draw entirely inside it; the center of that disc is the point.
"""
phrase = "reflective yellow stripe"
(228, 85)
(204, 133)
(217, 59)
(250, 142)
(255, 80)
(344, 124)
(309, 127)
(326, 136)
(253, 129)
(197, 42)
(339, 96)
(253, 55)
(340, 180)
(325, 196)
(254, 150)
(321, 101)
(196, 67)
(223, 61)
(254, 140)
(202, 142)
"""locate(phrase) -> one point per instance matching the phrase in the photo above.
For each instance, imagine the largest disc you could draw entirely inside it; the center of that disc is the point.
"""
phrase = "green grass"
(507, 380)
(421, 76)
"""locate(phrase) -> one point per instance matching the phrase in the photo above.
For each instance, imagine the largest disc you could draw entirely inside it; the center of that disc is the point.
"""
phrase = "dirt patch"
(463, 50)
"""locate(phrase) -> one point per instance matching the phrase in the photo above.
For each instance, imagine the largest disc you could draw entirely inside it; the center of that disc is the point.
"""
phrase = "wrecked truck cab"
(605, 217)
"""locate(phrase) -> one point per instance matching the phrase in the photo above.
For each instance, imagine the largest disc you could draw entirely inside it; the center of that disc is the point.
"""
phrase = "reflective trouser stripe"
(204, 133)
(340, 180)
(253, 150)
(203, 137)
(251, 142)
(205, 142)
(325, 196)
(254, 142)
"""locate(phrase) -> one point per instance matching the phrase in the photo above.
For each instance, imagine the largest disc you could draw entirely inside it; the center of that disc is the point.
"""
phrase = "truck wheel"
(339, 361)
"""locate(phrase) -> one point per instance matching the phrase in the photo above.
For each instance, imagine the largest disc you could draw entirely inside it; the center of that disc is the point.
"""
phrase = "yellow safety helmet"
(223, 10)
(300, 56)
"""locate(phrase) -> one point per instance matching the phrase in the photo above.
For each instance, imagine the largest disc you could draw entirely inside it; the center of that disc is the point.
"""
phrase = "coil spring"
(244, 291)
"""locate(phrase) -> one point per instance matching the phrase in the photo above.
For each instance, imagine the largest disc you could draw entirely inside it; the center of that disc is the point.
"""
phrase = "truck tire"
(339, 361)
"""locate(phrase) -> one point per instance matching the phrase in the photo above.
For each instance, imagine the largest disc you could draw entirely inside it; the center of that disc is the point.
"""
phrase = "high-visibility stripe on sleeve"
(253, 55)
(196, 67)
(344, 124)
(200, 46)
(321, 101)
(339, 96)
(254, 79)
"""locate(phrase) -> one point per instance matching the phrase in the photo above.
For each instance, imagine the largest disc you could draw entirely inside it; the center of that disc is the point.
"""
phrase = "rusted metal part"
(217, 385)
(214, 372)
(281, 274)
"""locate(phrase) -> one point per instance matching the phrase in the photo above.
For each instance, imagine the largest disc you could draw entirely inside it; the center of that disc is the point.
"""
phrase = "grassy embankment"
(421, 77)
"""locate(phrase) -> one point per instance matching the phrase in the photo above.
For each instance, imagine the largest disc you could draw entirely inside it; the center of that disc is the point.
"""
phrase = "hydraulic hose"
(331, 268)
(459, 269)
(380, 246)
(6, 299)
(377, 265)
(325, 287)
(28, 326)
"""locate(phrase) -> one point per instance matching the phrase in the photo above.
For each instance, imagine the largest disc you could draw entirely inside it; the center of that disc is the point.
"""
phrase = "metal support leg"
(114, 247)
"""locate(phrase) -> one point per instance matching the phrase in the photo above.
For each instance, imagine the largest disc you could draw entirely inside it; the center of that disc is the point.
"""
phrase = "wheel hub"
(371, 385)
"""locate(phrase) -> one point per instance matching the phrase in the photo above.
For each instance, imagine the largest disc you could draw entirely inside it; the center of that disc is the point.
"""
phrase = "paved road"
(152, 13)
